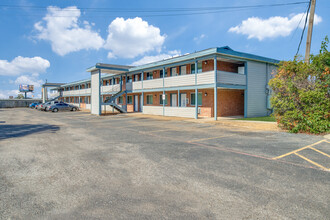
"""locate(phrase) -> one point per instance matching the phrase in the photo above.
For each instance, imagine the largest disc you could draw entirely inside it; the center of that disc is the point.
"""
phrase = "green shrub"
(301, 94)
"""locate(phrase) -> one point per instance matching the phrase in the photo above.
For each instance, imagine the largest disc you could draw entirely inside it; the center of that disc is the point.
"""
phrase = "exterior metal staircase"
(115, 96)
(117, 107)
(111, 101)
(55, 98)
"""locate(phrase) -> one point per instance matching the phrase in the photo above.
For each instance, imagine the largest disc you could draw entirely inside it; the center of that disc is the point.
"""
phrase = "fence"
(14, 103)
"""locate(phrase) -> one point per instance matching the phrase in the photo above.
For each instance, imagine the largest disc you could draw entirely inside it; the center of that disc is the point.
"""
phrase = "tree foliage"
(301, 93)
(20, 96)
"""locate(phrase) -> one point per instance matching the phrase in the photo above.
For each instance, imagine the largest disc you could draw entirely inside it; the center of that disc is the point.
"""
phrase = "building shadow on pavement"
(20, 130)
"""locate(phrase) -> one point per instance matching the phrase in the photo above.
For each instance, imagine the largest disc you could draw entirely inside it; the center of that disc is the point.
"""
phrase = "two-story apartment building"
(211, 83)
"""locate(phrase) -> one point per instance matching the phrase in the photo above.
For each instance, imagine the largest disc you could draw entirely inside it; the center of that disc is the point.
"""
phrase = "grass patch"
(266, 118)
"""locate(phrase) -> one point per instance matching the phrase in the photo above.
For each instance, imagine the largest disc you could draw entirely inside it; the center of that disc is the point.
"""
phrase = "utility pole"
(310, 30)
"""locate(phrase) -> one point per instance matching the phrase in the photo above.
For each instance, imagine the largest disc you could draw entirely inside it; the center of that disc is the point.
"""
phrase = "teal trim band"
(229, 86)
(205, 86)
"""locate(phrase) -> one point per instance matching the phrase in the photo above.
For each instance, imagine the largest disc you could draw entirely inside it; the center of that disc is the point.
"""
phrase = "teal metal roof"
(119, 68)
(76, 82)
(226, 51)
(230, 52)
(175, 59)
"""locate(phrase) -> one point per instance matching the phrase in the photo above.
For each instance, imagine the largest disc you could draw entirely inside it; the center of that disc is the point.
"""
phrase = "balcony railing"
(153, 83)
(186, 112)
(204, 78)
(110, 89)
(137, 85)
(77, 92)
(231, 78)
(175, 81)
(54, 94)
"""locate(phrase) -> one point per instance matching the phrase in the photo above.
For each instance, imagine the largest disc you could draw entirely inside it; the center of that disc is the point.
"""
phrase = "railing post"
(121, 82)
(142, 95)
(164, 91)
(246, 90)
(126, 80)
(215, 89)
(142, 101)
(196, 90)
(126, 100)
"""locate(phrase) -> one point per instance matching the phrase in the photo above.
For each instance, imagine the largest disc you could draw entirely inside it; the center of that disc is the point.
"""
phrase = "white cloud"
(111, 55)
(272, 27)
(61, 28)
(29, 80)
(20, 65)
(4, 94)
(199, 38)
(132, 37)
(150, 59)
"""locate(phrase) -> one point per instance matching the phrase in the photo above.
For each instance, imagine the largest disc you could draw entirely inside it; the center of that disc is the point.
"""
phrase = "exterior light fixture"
(205, 62)
(205, 93)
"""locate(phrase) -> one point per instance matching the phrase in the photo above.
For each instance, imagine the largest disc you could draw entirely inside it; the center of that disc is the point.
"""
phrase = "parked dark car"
(51, 103)
(62, 107)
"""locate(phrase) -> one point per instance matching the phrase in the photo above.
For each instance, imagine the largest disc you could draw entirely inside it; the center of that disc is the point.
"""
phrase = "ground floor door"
(136, 103)
(174, 100)
(183, 100)
(141, 103)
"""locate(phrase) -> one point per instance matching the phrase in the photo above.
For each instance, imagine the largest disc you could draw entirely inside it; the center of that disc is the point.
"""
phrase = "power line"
(303, 31)
(186, 11)
(299, 22)
(157, 9)
(140, 15)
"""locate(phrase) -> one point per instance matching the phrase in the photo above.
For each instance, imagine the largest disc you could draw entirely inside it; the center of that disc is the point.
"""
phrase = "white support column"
(46, 94)
(179, 98)
(43, 94)
(96, 92)
(215, 90)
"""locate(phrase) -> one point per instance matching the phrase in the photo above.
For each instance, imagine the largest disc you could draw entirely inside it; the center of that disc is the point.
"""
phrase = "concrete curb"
(327, 136)
(247, 121)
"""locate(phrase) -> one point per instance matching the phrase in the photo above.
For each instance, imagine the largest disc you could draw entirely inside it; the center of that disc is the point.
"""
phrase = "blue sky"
(58, 40)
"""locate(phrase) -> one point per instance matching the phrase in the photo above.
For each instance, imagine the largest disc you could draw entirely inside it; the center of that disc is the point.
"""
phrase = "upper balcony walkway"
(206, 79)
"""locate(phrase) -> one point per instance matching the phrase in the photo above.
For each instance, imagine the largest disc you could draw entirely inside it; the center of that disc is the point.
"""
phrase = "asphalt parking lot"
(72, 165)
